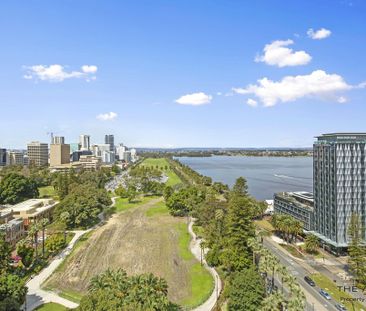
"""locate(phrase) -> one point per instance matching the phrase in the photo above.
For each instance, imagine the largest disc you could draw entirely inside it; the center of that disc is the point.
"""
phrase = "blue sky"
(181, 73)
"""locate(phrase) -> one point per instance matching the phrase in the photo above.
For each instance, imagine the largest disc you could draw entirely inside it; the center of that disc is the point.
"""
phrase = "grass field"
(161, 163)
(51, 307)
(46, 192)
(122, 204)
(157, 210)
(332, 289)
(140, 240)
(292, 250)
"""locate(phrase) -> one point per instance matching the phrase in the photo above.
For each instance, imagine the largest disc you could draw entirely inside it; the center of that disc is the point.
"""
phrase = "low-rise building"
(32, 210)
(12, 227)
(299, 205)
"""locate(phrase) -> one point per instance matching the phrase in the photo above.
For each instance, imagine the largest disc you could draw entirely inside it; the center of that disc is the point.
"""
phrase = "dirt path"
(134, 242)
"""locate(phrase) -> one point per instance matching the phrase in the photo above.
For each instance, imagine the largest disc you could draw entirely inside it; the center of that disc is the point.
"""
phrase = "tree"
(13, 287)
(43, 223)
(131, 193)
(240, 187)
(15, 188)
(26, 252)
(121, 192)
(33, 234)
(5, 253)
(245, 290)
(311, 243)
(114, 290)
(357, 249)
(240, 229)
(55, 243)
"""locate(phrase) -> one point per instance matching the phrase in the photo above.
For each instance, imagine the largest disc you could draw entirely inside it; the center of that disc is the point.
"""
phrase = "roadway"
(315, 302)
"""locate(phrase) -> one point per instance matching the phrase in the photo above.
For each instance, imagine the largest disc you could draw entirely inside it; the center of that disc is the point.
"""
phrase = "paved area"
(196, 251)
(37, 296)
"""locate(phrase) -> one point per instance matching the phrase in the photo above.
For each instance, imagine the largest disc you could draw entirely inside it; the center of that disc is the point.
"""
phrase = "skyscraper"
(84, 142)
(109, 139)
(59, 154)
(58, 140)
(2, 156)
(37, 153)
(339, 185)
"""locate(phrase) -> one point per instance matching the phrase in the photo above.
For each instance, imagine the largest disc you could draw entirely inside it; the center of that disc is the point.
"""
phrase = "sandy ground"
(134, 242)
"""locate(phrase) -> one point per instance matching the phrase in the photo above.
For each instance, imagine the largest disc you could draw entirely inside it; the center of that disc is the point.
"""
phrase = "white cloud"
(318, 84)
(252, 103)
(57, 73)
(194, 99)
(278, 54)
(342, 100)
(107, 116)
(89, 69)
(318, 34)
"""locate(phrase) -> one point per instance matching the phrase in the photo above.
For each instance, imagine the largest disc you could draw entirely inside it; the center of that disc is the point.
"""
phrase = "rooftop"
(299, 198)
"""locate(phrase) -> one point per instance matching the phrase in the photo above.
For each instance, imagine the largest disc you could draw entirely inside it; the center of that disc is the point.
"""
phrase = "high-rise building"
(59, 154)
(109, 139)
(2, 156)
(37, 153)
(84, 142)
(339, 165)
(60, 140)
(15, 158)
(120, 150)
(103, 151)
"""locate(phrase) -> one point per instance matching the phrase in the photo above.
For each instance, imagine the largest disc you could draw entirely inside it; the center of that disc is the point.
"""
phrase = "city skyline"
(183, 74)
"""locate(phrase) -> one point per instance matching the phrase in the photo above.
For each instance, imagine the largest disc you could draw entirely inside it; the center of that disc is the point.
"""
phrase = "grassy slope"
(51, 307)
(173, 179)
(157, 210)
(202, 283)
(331, 287)
(122, 204)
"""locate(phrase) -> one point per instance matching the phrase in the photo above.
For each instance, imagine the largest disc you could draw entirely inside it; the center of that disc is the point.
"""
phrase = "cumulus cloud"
(278, 54)
(194, 99)
(58, 73)
(252, 103)
(318, 34)
(317, 84)
(107, 116)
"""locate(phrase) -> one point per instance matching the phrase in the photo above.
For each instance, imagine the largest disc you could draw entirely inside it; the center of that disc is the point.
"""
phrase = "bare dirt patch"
(134, 242)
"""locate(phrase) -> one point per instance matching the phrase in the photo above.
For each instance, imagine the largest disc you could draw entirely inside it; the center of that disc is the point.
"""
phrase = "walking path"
(37, 296)
(196, 251)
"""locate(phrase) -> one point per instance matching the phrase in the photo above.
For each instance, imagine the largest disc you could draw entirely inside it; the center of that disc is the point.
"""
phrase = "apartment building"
(37, 153)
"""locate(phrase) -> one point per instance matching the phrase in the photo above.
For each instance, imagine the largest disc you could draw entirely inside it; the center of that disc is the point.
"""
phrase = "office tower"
(84, 142)
(133, 155)
(37, 153)
(109, 139)
(15, 158)
(59, 154)
(2, 156)
(120, 150)
(58, 140)
(339, 185)
(74, 147)
(103, 151)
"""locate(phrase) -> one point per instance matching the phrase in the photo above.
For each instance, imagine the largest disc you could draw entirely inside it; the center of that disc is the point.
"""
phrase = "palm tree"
(273, 302)
(33, 232)
(43, 223)
(63, 218)
(311, 243)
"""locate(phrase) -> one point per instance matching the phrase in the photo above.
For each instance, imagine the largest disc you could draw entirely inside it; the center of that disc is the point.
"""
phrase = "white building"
(84, 142)
(103, 152)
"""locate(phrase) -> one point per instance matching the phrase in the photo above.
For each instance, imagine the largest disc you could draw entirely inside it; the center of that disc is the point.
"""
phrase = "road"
(314, 300)
(196, 251)
(37, 296)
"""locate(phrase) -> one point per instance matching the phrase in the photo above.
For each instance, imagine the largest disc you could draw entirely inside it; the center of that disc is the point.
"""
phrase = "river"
(265, 175)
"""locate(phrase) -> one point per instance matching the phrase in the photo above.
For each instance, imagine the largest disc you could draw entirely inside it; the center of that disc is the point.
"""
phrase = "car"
(340, 307)
(309, 281)
(325, 294)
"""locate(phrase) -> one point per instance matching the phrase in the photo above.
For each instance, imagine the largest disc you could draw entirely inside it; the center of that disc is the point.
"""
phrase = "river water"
(265, 175)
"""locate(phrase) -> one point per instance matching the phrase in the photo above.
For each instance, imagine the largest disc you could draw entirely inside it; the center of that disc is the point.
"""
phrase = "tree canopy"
(15, 188)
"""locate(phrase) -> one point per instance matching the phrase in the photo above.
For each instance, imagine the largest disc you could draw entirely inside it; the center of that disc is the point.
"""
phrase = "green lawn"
(202, 283)
(122, 204)
(51, 307)
(292, 250)
(157, 210)
(332, 289)
(264, 224)
(161, 163)
(46, 192)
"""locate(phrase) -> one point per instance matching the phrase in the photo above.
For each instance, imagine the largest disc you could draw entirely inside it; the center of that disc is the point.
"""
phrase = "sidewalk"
(196, 251)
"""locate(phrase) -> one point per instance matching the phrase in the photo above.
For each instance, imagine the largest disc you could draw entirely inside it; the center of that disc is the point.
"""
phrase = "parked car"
(340, 307)
(309, 281)
(325, 294)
